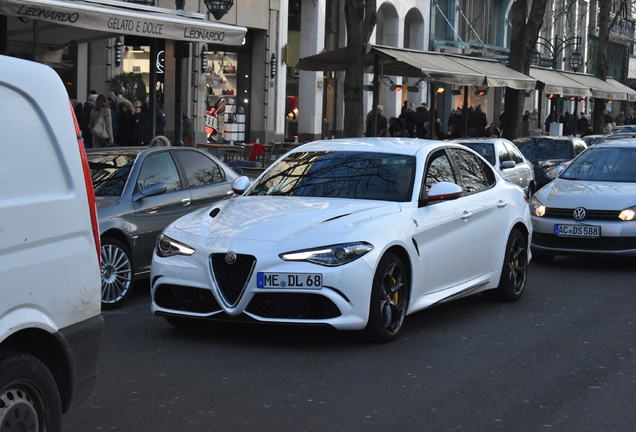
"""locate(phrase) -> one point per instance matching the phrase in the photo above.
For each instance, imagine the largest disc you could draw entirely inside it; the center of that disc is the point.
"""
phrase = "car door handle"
(186, 202)
(466, 215)
(501, 203)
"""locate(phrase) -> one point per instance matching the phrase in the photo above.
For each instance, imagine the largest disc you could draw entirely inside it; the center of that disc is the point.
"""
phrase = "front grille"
(231, 278)
(565, 213)
(292, 306)
(186, 299)
(601, 243)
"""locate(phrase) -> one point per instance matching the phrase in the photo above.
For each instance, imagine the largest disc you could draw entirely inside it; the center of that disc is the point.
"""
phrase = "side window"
(199, 169)
(503, 152)
(514, 153)
(578, 148)
(439, 170)
(159, 168)
(475, 174)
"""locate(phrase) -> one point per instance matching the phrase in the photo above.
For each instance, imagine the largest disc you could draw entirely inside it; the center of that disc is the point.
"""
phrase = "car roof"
(617, 143)
(136, 150)
(405, 146)
(479, 140)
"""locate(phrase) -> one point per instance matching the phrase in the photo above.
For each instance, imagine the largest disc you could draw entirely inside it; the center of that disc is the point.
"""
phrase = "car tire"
(29, 396)
(117, 273)
(514, 271)
(389, 299)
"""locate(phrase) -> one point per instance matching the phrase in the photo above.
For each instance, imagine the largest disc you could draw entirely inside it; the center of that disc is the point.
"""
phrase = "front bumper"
(617, 238)
(186, 286)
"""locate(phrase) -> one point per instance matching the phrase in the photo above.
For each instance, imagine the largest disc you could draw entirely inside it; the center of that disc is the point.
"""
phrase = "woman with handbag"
(100, 123)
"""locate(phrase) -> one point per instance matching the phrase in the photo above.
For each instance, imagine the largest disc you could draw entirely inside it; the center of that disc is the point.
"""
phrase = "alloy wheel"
(518, 265)
(393, 301)
(116, 274)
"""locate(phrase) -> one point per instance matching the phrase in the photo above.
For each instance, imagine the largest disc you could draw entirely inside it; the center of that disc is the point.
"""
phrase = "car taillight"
(90, 193)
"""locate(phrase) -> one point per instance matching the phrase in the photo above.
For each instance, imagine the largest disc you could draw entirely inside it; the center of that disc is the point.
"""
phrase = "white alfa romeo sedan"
(591, 207)
(352, 233)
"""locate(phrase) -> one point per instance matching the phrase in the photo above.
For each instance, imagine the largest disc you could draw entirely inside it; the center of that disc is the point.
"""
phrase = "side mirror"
(508, 164)
(443, 191)
(152, 190)
(240, 185)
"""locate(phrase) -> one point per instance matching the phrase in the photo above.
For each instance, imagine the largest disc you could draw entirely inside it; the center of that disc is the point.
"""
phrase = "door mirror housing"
(152, 190)
(443, 191)
(240, 185)
(508, 164)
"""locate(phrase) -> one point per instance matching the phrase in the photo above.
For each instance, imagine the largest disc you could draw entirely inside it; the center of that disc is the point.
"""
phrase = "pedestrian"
(114, 111)
(525, 123)
(409, 120)
(142, 125)
(582, 125)
(421, 117)
(126, 110)
(100, 123)
(187, 132)
(492, 131)
(382, 126)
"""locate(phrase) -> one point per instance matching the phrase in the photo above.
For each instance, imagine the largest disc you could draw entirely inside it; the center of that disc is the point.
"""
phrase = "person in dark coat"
(383, 129)
(142, 125)
(124, 135)
(582, 125)
(421, 117)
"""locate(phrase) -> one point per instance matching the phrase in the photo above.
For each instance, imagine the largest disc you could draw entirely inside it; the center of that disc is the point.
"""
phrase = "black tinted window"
(502, 151)
(514, 153)
(547, 149)
(579, 147)
(486, 150)
(199, 169)
(109, 172)
(475, 175)
(341, 174)
(439, 170)
(159, 168)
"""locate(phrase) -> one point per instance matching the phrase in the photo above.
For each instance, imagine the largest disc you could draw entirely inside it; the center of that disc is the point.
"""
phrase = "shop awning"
(630, 92)
(600, 89)
(124, 18)
(431, 66)
(560, 84)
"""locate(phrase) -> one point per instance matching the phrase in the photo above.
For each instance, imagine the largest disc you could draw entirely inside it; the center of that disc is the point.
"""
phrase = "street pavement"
(562, 359)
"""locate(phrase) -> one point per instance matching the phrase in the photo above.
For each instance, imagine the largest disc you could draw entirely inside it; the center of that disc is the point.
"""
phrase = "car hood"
(280, 219)
(562, 193)
(103, 202)
(545, 164)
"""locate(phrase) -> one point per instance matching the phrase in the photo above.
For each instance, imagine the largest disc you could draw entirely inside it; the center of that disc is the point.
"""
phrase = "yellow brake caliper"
(395, 294)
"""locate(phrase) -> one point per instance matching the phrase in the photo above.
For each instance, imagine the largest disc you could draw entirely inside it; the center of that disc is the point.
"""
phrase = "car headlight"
(628, 214)
(536, 208)
(331, 256)
(167, 247)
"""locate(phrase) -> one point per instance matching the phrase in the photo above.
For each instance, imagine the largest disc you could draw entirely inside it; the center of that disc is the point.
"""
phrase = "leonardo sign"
(124, 20)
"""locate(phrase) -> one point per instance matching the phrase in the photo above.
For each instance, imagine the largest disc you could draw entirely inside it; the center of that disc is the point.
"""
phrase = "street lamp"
(576, 60)
(554, 49)
(218, 8)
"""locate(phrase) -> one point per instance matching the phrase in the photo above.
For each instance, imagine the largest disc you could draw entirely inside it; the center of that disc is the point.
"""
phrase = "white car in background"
(352, 233)
(591, 207)
(506, 158)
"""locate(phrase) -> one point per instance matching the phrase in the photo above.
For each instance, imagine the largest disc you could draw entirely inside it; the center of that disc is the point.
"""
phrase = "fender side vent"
(214, 212)
(417, 249)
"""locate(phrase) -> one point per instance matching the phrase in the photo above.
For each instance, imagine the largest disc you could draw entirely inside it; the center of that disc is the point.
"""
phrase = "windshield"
(109, 172)
(547, 149)
(623, 129)
(617, 164)
(486, 150)
(340, 174)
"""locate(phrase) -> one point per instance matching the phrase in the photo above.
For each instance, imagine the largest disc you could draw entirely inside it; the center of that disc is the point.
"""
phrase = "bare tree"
(604, 29)
(526, 21)
(361, 17)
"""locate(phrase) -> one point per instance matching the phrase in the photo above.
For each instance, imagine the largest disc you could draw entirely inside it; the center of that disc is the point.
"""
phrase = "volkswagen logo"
(578, 214)
(230, 257)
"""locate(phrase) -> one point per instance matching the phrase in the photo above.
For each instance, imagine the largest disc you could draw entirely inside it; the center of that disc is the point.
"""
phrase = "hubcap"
(393, 298)
(116, 274)
(518, 264)
(18, 412)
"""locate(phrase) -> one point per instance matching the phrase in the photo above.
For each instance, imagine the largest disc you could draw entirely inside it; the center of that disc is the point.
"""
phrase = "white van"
(50, 321)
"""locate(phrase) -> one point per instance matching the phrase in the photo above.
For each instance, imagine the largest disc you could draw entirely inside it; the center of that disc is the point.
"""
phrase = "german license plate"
(587, 231)
(289, 280)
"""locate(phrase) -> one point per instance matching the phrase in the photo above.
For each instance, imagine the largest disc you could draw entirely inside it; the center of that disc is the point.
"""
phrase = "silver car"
(140, 191)
(590, 207)
(507, 160)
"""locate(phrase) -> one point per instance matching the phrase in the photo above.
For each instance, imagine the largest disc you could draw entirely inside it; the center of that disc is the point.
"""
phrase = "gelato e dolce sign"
(136, 26)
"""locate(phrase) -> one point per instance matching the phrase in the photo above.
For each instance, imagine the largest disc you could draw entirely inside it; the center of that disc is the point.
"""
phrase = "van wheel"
(29, 397)
(116, 273)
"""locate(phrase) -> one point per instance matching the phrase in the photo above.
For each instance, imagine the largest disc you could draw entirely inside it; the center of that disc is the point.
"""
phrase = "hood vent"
(215, 212)
(336, 217)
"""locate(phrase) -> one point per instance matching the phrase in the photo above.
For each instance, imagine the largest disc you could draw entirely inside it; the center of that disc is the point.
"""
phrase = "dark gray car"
(140, 191)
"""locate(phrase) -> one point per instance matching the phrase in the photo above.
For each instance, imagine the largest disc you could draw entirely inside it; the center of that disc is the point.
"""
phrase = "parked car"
(546, 153)
(591, 207)
(50, 321)
(139, 191)
(351, 233)
(591, 140)
(623, 129)
(507, 160)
